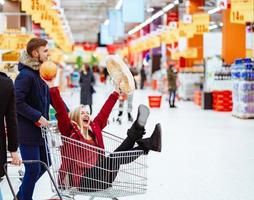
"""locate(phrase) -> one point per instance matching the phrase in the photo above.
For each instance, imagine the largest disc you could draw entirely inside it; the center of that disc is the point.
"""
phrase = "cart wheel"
(21, 174)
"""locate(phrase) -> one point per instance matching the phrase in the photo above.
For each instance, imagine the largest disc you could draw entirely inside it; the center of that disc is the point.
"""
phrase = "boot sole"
(158, 141)
(143, 114)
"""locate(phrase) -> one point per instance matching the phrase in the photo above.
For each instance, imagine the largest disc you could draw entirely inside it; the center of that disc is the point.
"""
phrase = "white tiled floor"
(206, 155)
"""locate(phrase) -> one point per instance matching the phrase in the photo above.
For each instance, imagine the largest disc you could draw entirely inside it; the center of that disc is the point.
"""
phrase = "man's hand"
(42, 122)
(15, 159)
(50, 83)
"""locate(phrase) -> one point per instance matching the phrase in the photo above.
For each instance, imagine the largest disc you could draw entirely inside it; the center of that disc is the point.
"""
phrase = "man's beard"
(39, 59)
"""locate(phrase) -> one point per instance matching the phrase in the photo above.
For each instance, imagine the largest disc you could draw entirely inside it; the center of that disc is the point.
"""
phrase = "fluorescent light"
(176, 2)
(157, 15)
(119, 4)
(213, 27)
(214, 10)
(168, 7)
(2, 2)
(153, 17)
(221, 24)
(106, 22)
(150, 10)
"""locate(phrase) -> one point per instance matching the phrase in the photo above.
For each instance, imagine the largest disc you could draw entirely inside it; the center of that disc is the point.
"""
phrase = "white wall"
(212, 44)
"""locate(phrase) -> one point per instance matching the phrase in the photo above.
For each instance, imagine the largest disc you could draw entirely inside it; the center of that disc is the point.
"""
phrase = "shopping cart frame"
(71, 192)
(30, 162)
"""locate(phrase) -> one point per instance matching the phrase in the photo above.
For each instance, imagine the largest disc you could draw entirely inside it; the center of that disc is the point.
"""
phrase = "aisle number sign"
(201, 23)
(14, 41)
(242, 11)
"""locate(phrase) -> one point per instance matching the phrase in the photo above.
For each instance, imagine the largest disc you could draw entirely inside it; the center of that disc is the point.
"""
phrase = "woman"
(86, 82)
(94, 171)
(172, 87)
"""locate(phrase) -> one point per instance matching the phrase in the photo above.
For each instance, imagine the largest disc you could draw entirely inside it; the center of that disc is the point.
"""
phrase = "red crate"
(154, 101)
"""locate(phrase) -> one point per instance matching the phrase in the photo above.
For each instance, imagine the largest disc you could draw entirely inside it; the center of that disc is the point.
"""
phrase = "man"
(8, 123)
(32, 95)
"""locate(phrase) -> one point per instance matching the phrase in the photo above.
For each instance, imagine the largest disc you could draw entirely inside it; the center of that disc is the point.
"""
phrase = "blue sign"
(116, 25)
(133, 11)
(105, 38)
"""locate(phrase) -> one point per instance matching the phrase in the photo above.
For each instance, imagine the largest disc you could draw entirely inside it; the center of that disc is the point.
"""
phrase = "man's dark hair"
(34, 44)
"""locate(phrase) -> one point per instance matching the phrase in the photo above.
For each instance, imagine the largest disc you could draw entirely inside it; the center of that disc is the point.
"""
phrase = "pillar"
(233, 39)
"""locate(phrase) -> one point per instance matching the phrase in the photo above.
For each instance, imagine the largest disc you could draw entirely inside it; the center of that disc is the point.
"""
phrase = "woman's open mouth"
(85, 121)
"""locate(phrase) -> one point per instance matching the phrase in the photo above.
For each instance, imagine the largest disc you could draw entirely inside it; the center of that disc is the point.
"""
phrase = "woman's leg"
(32, 171)
(174, 97)
(137, 129)
(170, 97)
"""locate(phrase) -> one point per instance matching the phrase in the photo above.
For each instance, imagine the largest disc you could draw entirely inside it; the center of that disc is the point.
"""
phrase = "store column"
(233, 39)
(197, 40)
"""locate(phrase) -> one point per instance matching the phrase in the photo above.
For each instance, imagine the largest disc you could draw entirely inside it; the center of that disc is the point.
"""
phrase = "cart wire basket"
(79, 168)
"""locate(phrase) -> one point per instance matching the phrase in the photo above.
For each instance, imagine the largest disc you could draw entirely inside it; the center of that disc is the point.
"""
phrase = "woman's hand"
(117, 86)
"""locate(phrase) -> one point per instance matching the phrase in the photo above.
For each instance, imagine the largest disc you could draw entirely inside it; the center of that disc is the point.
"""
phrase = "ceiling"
(85, 16)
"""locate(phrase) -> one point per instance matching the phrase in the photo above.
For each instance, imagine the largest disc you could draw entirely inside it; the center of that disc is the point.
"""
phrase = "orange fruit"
(48, 70)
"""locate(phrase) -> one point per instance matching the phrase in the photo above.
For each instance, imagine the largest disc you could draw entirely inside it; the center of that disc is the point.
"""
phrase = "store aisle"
(205, 155)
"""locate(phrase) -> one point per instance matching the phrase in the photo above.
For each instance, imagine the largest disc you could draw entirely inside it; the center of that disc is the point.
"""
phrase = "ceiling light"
(157, 15)
(150, 10)
(213, 27)
(106, 22)
(153, 17)
(214, 10)
(119, 4)
(221, 24)
(176, 2)
(168, 7)
(2, 2)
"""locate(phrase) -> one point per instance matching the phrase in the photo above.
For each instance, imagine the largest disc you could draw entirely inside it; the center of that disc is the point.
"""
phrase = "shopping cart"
(82, 169)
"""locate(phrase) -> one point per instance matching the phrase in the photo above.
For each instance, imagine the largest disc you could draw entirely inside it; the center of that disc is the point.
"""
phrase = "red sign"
(173, 15)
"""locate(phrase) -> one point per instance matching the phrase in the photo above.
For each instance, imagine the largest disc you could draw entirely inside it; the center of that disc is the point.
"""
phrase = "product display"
(188, 84)
(243, 88)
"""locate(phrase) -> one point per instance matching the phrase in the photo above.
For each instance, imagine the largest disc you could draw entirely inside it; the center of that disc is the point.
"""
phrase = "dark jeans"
(172, 96)
(104, 173)
(32, 171)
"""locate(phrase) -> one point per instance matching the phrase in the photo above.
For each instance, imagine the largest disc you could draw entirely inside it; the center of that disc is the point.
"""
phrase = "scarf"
(27, 60)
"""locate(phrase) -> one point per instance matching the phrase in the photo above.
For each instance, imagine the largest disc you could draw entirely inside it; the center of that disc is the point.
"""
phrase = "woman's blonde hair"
(75, 116)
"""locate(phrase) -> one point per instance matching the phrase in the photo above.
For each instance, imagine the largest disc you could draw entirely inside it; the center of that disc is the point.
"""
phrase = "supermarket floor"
(206, 155)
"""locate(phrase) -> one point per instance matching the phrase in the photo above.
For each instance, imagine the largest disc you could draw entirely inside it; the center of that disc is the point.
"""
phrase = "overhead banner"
(105, 38)
(242, 11)
(116, 25)
(133, 11)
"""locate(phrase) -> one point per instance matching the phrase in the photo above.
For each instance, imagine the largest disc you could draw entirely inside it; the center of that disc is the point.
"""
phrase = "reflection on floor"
(205, 155)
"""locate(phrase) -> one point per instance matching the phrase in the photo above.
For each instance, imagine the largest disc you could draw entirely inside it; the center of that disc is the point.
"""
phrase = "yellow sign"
(14, 41)
(190, 53)
(242, 11)
(42, 13)
(11, 56)
(186, 30)
(201, 23)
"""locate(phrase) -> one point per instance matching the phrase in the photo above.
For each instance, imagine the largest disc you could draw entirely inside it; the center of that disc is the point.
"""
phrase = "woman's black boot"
(154, 142)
